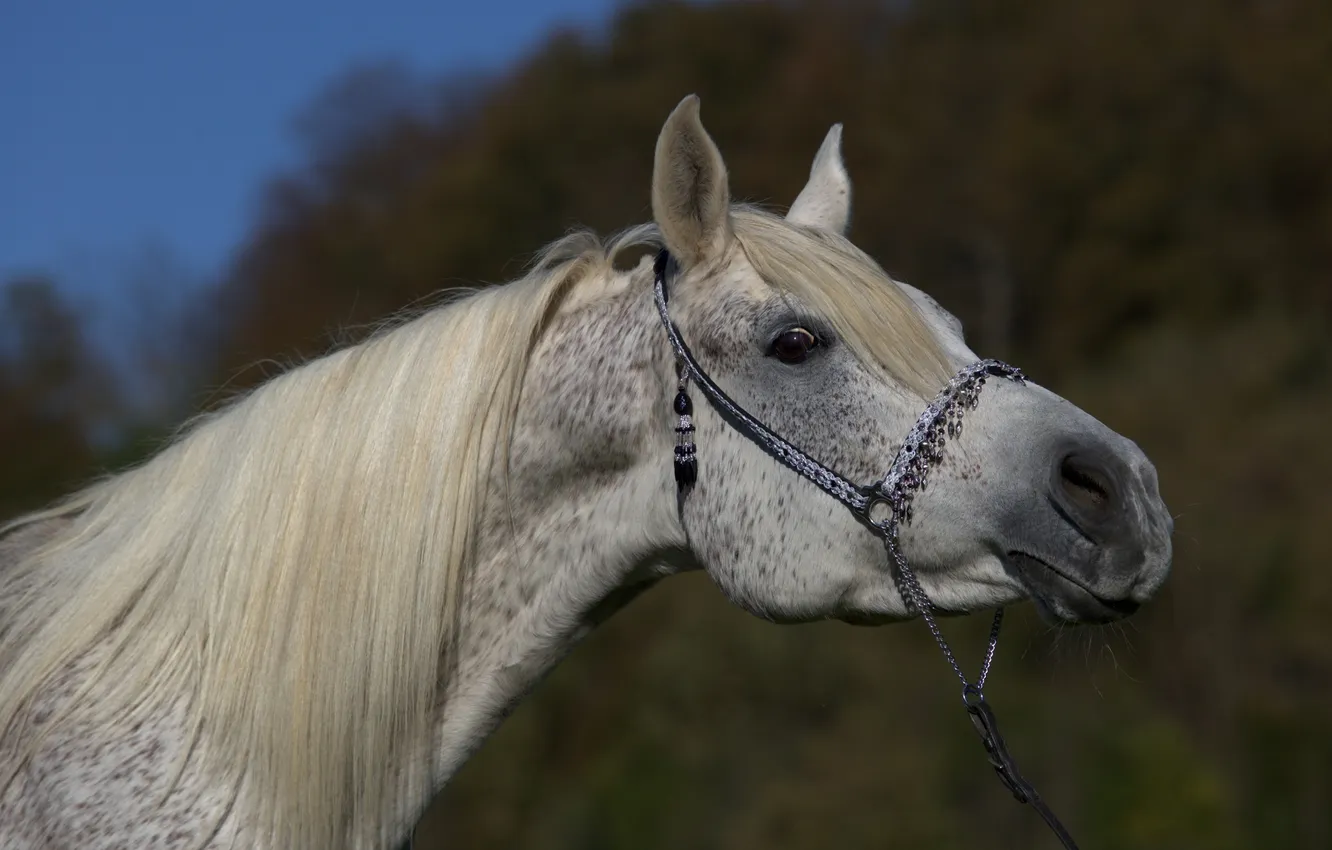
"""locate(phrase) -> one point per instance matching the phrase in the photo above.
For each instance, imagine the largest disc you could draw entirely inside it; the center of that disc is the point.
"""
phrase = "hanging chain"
(915, 595)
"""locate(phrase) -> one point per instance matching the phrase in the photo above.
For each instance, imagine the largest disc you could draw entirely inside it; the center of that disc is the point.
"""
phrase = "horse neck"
(589, 517)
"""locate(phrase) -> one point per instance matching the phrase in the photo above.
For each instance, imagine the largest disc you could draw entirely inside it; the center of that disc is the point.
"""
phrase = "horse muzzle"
(1100, 544)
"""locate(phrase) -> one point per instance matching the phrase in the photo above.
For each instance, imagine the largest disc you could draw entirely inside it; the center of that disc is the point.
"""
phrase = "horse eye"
(793, 346)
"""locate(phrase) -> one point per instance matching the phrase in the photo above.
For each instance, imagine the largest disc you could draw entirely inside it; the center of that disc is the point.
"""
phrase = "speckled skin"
(595, 518)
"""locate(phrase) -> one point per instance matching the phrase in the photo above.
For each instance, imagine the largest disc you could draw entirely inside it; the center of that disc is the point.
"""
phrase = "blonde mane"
(295, 561)
(293, 564)
(840, 282)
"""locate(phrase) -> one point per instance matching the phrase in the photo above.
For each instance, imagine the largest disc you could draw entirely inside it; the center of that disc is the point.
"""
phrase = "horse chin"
(867, 618)
(879, 618)
(1061, 598)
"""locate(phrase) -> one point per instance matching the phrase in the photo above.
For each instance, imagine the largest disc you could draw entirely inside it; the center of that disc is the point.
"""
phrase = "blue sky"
(129, 125)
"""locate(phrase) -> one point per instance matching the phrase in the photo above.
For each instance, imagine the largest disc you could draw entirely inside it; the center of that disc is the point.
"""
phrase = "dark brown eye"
(793, 346)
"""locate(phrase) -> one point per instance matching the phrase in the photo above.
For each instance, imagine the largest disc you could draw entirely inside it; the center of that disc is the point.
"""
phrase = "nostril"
(1088, 487)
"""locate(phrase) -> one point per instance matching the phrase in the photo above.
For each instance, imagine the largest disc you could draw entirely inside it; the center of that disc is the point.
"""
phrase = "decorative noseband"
(883, 506)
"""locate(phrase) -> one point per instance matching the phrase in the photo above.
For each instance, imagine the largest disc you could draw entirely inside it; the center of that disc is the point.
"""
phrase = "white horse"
(292, 626)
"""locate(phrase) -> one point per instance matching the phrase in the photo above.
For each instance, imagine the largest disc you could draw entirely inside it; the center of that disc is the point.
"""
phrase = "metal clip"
(987, 726)
(988, 729)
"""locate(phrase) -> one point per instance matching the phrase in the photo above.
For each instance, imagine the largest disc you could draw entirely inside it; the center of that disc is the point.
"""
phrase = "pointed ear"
(691, 196)
(825, 202)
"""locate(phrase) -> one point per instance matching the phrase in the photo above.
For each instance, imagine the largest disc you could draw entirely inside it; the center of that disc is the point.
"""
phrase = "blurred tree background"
(1130, 199)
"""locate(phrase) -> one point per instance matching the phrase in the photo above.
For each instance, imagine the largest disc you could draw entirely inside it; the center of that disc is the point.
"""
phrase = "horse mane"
(293, 564)
(295, 560)
(839, 281)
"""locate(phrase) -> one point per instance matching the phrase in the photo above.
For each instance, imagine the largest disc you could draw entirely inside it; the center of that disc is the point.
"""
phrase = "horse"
(295, 622)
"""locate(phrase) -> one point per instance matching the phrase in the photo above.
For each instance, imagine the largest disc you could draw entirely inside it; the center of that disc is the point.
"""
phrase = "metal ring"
(972, 696)
(884, 525)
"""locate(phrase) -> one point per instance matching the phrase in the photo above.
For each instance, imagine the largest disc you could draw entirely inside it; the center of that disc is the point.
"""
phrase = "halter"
(883, 506)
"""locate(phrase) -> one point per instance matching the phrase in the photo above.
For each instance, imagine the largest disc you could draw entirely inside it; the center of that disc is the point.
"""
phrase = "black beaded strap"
(827, 480)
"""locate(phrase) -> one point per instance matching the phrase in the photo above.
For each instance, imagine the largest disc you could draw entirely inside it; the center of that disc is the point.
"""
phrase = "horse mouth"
(1063, 598)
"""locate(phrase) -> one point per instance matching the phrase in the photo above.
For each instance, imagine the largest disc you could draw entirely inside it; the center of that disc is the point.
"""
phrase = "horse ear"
(825, 202)
(691, 197)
